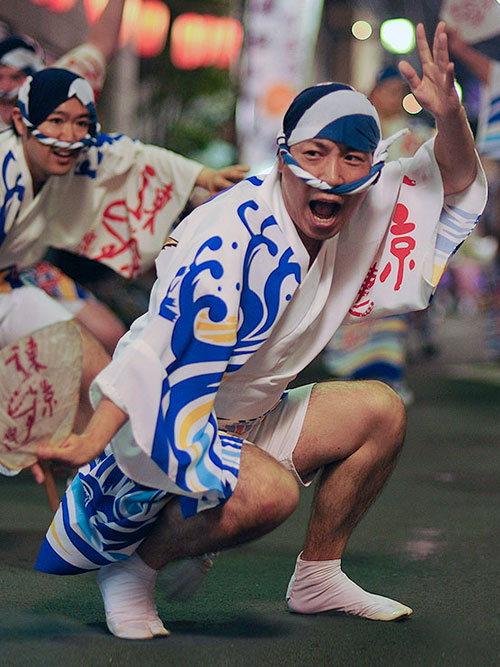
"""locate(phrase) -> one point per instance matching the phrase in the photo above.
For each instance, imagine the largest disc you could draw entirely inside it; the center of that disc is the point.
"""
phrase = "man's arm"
(105, 32)
(435, 91)
(80, 449)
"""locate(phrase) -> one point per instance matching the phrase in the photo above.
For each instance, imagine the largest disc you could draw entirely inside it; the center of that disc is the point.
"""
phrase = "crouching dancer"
(207, 445)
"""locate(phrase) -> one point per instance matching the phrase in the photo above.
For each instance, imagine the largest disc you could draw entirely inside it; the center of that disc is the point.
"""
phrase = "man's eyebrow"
(350, 149)
(317, 141)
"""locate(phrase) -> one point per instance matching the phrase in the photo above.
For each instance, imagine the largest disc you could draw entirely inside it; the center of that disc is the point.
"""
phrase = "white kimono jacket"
(234, 315)
(116, 205)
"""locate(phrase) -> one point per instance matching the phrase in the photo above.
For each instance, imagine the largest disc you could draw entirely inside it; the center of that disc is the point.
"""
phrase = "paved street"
(431, 541)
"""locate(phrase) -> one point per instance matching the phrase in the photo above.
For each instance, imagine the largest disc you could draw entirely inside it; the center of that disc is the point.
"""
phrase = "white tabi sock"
(320, 585)
(128, 590)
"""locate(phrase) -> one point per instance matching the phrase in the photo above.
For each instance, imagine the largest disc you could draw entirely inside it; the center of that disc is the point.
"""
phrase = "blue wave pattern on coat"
(219, 321)
(11, 180)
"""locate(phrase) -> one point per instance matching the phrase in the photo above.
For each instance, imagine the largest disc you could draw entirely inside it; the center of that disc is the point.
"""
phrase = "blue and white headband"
(43, 92)
(340, 113)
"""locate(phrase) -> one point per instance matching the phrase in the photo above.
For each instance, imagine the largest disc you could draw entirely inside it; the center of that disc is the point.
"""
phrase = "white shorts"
(279, 431)
(26, 309)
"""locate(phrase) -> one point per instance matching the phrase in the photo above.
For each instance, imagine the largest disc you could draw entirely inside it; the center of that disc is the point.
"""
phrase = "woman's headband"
(43, 92)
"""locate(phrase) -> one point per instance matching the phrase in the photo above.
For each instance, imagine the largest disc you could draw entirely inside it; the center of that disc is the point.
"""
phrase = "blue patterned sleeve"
(167, 372)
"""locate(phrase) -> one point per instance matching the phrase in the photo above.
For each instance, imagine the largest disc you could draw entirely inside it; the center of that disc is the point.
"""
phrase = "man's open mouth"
(323, 209)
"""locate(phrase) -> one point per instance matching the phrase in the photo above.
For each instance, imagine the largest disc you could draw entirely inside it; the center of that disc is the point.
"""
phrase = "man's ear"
(281, 162)
(17, 119)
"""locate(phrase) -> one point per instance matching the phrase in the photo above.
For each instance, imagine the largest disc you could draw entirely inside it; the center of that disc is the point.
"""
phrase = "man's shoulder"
(240, 212)
(244, 200)
(395, 171)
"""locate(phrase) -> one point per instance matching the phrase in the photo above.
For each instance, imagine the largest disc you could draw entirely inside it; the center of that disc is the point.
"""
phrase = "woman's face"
(70, 122)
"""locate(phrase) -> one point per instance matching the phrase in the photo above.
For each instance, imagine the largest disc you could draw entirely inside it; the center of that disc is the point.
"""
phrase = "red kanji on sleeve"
(402, 245)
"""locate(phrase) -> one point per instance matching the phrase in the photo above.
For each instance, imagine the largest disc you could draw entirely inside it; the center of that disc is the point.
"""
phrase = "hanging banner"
(475, 19)
(276, 63)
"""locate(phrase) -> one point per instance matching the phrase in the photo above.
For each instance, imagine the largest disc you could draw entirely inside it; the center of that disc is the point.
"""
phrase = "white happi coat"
(116, 205)
(278, 314)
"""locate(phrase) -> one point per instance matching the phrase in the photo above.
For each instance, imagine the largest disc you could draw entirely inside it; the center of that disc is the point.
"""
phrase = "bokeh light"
(362, 29)
(410, 104)
(397, 35)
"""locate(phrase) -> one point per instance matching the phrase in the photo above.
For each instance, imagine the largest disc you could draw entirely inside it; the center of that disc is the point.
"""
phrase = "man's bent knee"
(386, 410)
(265, 487)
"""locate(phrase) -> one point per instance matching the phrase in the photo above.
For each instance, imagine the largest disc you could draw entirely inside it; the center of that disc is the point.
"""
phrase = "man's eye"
(56, 121)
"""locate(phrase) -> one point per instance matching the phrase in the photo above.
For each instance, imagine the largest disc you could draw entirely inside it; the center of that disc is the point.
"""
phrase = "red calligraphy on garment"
(33, 396)
(122, 222)
(401, 247)
(10, 436)
(363, 305)
(87, 242)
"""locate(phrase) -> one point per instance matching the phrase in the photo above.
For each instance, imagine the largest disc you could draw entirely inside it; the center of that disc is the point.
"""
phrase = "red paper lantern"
(228, 36)
(144, 24)
(130, 22)
(57, 6)
(154, 19)
(60, 6)
(187, 41)
(204, 40)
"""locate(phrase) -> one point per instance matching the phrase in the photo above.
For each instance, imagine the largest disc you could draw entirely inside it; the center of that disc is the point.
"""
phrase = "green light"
(397, 35)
